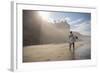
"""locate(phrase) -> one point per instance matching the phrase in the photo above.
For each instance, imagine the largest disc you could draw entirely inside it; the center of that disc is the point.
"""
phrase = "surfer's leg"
(70, 46)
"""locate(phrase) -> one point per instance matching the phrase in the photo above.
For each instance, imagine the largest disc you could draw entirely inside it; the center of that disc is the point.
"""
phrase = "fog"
(38, 31)
(47, 41)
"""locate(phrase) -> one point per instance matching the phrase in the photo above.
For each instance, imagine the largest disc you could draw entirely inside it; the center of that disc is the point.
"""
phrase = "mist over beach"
(49, 40)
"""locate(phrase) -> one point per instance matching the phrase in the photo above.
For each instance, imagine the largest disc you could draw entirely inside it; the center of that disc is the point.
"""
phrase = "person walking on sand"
(72, 40)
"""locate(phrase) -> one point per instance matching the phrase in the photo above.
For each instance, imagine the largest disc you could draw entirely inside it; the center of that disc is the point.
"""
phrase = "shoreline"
(48, 52)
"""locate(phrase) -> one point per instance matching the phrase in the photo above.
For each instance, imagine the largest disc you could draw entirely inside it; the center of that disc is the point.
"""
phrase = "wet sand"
(83, 52)
(48, 52)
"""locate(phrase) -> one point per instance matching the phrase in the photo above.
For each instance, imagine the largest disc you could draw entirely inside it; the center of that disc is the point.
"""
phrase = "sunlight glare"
(44, 15)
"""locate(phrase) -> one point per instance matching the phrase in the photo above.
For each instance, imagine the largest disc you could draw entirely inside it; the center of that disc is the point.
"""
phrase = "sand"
(48, 52)
(83, 52)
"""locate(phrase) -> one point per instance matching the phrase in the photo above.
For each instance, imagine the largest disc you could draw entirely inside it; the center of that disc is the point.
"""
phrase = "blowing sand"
(48, 52)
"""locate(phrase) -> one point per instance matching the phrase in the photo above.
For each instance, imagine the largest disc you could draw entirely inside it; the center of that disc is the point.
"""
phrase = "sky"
(79, 21)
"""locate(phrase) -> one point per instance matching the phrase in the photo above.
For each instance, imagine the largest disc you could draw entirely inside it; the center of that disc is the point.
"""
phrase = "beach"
(53, 52)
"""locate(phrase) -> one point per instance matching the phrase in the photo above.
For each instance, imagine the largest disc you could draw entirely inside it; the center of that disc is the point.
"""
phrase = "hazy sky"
(80, 22)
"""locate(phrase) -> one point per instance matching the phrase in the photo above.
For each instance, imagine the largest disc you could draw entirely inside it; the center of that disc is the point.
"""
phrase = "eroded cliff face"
(37, 31)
